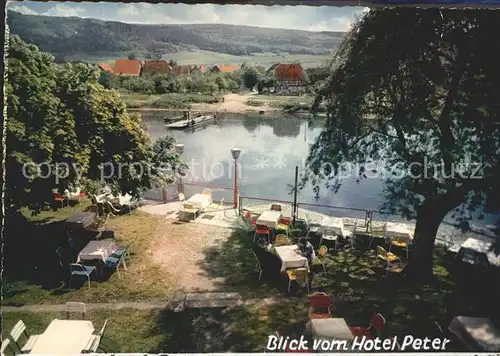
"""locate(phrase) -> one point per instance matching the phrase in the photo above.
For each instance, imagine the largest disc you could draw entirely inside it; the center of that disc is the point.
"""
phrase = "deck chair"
(16, 332)
(377, 324)
(402, 242)
(94, 342)
(6, 345)
(378, 232)
(329, 235)
(284, 225)
(320, 306)
(282, 240)
(261, 230)
(190, 209)
(77, 269)
(392, 261)
(75, 307)
(322, 252)
(275, 207)
(298, 275)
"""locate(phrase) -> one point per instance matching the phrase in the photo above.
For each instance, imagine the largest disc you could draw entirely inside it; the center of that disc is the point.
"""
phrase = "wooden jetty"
(191, 122)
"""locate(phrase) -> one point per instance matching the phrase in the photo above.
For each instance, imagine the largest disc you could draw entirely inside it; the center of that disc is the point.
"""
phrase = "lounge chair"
(95, 340)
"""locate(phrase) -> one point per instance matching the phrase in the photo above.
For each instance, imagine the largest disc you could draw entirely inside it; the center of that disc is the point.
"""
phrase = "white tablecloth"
(398, 230)
(335, 225)
(480, 245)
(120, 199)
(269, 218)
(200, 201)
(64, 337)
(478, 330)
(290, 258)
(97, 250)
(329, 329)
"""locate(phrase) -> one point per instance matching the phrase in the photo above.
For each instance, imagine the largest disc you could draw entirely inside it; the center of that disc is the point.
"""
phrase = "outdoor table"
(269, 218)
(64, 337)
(120, 199)
(398, 230)
(474, 247)
(476, 332)
(81, 219)
(329, 329)
(336, 225)
(97, 250)
(290, 258)
(200, 201)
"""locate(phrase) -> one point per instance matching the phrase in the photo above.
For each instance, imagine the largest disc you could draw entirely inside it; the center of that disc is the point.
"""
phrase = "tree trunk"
(429, 217)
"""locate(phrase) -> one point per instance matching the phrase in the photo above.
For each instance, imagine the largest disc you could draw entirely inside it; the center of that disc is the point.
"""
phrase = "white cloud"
(22, 9)
(291, 17)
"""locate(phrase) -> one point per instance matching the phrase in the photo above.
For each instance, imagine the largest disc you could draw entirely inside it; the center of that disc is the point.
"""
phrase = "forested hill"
(63, 36)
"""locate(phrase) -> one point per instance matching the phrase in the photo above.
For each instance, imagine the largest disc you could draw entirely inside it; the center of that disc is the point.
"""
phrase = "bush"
(183, 101)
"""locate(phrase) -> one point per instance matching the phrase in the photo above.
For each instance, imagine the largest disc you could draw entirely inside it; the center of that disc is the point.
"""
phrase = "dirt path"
(235, 103)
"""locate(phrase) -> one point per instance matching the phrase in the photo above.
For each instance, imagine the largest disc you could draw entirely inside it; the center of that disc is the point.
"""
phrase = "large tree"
(60, 119)
(418, 92)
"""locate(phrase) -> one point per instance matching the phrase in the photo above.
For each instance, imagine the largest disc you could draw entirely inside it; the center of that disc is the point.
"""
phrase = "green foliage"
(183, 101)
(59, 116)
(66, 36)
(429, 109)
(250, 78)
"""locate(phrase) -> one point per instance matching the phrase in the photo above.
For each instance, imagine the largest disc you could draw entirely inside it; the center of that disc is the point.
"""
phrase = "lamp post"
(180, 150)
(235, 152)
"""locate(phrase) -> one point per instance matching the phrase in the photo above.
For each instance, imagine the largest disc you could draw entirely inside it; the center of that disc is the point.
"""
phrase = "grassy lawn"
(40, 278)
(166, 101)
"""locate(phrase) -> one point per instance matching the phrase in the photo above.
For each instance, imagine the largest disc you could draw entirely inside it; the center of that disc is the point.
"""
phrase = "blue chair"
(115, 260)
(77, 269)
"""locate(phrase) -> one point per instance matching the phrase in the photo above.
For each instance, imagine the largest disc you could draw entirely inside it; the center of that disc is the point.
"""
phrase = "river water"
(271, 147)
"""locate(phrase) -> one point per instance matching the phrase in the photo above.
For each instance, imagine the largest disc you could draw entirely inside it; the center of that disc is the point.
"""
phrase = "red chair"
(59, 197)
(320, 306)
(377, 324)
(262, 230)
(251, 218)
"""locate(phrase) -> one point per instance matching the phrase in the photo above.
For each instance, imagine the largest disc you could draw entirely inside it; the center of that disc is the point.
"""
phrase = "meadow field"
(212, 58)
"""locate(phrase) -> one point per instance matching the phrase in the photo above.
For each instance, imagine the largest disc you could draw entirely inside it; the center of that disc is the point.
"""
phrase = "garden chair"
(402, 242)
(329, 235)
(261, 230)
(378, 232)
(6, 345)
(77, 269)
(61, 198)
(282, 240)
(207, 192)
(351, 234)
(322, 252)
(190, 209)
(311, 225)
(320, 306)
(284, 225)
(276, 207)
(250, 217)
(377, 324)
(258, 267)
(16, 332)
(75, 307)
(95, 340)
(298, 275)
(117, 258)
(392, 261)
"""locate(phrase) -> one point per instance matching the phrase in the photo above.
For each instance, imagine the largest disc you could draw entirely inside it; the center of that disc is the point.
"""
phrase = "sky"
(324, 18)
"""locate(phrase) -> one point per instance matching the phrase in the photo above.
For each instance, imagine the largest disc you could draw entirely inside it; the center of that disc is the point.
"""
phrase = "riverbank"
(234, 103)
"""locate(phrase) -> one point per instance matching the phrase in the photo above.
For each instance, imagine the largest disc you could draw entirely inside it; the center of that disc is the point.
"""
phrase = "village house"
(156, 66)
(128, 67)
(289, 78)
(105, 67)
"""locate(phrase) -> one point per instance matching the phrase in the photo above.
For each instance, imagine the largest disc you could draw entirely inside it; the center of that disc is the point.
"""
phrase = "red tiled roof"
(289, 72)
(105, 67)
(156, 66)
(131, 67)
(228, 68)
